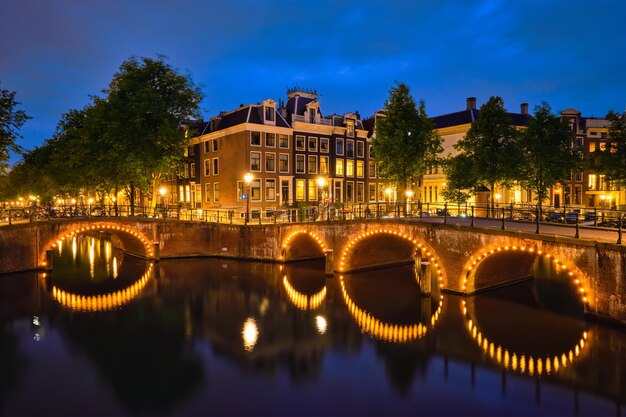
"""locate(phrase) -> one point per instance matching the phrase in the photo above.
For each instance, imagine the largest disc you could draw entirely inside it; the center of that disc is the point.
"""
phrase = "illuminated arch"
(98, 227)
(426, 251)
(303, 301)
(294, 234)
(576, 276)
(397, 333)
(520, 362)
(101, 302)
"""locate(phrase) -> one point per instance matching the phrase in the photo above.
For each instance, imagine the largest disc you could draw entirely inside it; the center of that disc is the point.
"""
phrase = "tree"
(547, 154)
(138, 124)
(405, 143)
(459, 183)
(11, 120)
(612, 161)
(490, 144)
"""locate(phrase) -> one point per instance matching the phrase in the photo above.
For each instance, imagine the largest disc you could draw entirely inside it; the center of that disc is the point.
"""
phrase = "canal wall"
(461, 253)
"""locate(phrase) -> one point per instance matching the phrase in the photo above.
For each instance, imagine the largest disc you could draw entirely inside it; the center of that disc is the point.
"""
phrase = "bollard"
(157, 251)
(329, 268)
(425, 278)
(445, 213)
(472, 224)
(537, 219)
(503, 228)
(619, 230)
(577, 235)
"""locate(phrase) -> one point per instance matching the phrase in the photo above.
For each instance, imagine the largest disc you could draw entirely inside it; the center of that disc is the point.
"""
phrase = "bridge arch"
(526, 254)
(302, 244)
(134, 237)
(519, 361)
(397, 333)
(414, 249)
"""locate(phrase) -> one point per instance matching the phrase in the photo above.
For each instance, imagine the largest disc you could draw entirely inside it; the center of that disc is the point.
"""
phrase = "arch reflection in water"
(522, 362)
(303, 301)
(389, 332)
(90, 275)
(308, 277)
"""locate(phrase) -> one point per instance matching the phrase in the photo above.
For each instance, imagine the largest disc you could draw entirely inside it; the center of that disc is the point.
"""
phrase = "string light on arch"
(298, 232)
(560, 266)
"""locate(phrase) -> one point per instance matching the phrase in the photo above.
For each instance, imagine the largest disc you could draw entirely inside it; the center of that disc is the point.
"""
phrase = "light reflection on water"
(207, 336)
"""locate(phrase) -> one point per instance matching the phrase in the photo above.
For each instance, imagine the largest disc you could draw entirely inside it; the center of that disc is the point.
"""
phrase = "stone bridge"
(463, 259)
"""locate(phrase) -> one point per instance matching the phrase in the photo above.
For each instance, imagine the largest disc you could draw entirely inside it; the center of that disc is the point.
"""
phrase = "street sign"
(244, 196)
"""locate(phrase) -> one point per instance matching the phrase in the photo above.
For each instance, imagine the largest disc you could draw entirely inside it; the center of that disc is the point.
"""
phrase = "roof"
(468, 116)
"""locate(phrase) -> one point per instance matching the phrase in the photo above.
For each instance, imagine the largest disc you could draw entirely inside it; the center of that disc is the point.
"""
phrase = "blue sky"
(55, 53)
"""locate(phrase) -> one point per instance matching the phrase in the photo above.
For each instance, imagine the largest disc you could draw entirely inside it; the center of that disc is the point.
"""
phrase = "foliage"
(547, 154)
(459, 182)
(405, 143)
(612, 161)
(11, 120)
(491, 146)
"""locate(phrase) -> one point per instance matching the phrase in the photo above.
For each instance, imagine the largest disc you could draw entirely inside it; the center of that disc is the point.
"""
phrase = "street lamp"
(409, 195)
(248, 180)
(163, 191)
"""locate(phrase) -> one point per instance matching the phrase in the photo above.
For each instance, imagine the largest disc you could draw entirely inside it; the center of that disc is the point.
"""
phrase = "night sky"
(55, 54)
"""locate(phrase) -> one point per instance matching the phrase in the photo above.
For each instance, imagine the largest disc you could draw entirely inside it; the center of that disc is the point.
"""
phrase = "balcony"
(316, 121)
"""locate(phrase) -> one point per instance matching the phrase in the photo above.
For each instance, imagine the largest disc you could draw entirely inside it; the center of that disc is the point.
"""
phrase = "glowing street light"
(248, 181)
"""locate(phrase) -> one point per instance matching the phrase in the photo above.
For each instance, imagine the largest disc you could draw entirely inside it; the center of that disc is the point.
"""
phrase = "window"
(567, 194)
(255, 190)
(269, 114)
(192, 170)
(360, 192)
(324, 145)
(359, 169)
(579, 141)
(372, 191)
(371, 154)
(207, 192)
(578, 176)
(207, 146)
(215, 144)
(299, 143)
(349, 191)
(312, 115)
(299, 190)
(578, 192)
(350, 128)
(592, 147)
(602, 146)
(270, 190)
(603, 135)
(255, 161)
(312, 165)
(349, 168)
(255, 138)
(312, 144)
(324, 165)
(339, 167)
(360, 149)
(603, 185)
(312, 190)
(216, 192)
(283, 162)
(371, 169)
(339, 146)
(186, 174)
(350, 148)
(591, 182)
(270, 140)
(270, 162)
(299, 164)
(283, 141)
(192, 151)
(240, 190)
(216, 168)
(207, 167)
(381, 192)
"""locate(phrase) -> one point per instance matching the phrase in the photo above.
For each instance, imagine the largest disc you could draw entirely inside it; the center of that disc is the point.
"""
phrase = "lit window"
(270, 190)
(359, 169)
(324, 165)
(350, 128)
(349, 168)
(255, 190)
(313, 190)
(591, 183)
(339, 167)
(216, 192)
(299, 190)
(207, 192)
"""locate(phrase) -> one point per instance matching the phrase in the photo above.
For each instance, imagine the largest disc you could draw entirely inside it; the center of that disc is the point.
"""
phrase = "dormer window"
(350, 128)
(311, 115)
(270, 114)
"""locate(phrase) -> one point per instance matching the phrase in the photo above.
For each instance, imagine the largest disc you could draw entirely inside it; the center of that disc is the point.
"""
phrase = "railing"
(596, 217)
(316, 121)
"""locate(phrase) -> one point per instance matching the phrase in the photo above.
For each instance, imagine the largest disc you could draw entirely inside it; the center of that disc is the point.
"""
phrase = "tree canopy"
(546, 153)
(612, 161)
(11, 120)
(405, 143)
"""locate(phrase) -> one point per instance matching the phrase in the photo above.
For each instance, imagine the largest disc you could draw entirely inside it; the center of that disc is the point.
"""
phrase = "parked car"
(571, 217)
(555, 217)
(590, 216)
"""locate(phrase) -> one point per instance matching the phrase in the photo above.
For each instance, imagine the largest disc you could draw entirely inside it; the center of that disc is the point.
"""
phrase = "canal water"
(106, 333)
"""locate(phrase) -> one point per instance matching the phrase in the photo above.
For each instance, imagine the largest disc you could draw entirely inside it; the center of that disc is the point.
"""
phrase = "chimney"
(524, 108)
(471, 103)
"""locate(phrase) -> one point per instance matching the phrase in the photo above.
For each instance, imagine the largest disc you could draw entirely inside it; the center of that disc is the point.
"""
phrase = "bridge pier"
(157, 251)
(49, 260)
(330, 262)
(423, 273)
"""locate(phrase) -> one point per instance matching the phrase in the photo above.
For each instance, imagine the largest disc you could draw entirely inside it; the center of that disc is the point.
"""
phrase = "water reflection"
(211, 336)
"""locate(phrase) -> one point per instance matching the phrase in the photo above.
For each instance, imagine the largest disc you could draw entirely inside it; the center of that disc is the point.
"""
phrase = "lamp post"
(163, 191)
(498, 196)
(89, 203)
(321, 182)
(248, 181)
(409, 195)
